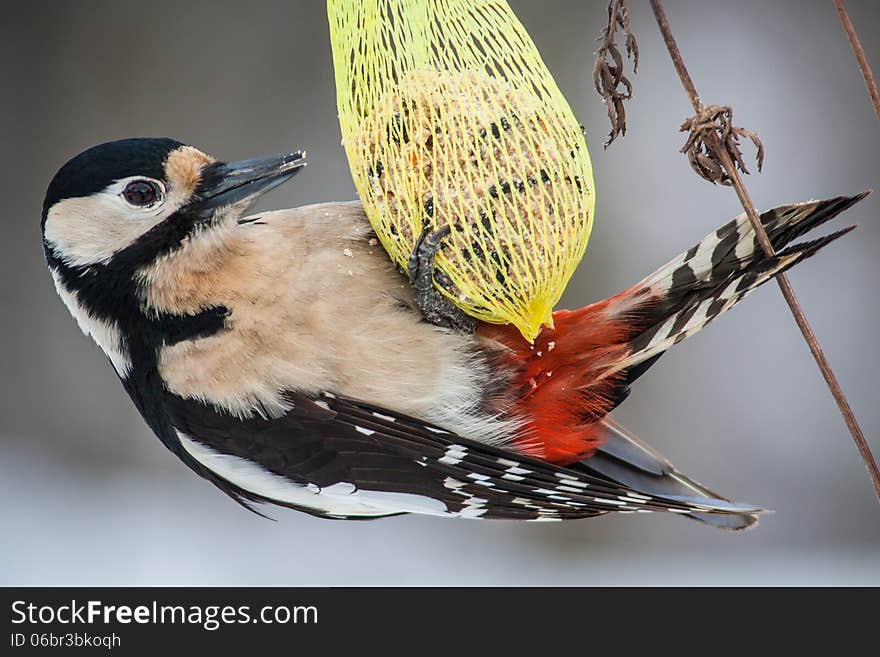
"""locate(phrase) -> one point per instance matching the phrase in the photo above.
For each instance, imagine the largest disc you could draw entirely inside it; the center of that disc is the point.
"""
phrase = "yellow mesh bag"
(449, 117)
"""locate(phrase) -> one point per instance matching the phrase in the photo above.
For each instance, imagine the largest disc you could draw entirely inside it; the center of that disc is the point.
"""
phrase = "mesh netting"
(449, 117)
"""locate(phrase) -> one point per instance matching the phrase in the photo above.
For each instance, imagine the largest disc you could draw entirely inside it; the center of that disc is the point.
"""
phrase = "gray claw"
(434, 307)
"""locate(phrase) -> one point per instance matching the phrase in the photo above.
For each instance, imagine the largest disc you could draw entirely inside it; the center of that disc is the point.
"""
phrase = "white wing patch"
(340, 499)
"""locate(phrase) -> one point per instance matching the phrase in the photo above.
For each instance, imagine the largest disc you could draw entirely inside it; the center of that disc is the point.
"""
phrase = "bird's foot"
(435, 308)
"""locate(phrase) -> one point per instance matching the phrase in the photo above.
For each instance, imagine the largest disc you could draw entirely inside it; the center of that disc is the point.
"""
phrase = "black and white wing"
(626, 460)
(339, 458)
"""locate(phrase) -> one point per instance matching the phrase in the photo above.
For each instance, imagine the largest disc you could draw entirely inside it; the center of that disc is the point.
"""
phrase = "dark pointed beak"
(233, 182)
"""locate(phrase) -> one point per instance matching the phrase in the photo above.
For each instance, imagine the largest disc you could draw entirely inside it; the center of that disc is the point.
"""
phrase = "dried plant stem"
(608, 71)
(714, 143)
(860, 56)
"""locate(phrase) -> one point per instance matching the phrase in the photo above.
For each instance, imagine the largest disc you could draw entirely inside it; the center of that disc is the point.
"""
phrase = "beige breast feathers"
(315, 305)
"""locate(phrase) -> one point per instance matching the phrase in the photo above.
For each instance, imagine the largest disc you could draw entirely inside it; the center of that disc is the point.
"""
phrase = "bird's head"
(135, 199)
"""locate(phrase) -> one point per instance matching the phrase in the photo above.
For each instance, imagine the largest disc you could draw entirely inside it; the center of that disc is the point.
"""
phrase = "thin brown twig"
(713, 142)
(608, 77)
(856, 46)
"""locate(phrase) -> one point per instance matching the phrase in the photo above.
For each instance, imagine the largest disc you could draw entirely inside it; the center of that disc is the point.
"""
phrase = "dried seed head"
(717, 120)
(608, 77)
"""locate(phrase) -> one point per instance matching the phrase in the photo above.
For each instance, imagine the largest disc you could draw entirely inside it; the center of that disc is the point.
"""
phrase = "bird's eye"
(142, 193)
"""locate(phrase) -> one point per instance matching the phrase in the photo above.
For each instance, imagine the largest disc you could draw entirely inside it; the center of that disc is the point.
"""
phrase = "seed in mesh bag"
(467, 151)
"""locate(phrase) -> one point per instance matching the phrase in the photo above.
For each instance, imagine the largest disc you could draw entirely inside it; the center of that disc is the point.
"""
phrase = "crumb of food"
(551, 346)
(373, 241)
(348, 253)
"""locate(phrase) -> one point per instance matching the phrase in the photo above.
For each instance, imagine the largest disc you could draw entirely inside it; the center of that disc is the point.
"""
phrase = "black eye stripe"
(141, 193)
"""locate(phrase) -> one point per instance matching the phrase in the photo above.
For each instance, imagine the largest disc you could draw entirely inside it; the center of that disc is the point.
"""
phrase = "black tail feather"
(626, 460)
(709, 279)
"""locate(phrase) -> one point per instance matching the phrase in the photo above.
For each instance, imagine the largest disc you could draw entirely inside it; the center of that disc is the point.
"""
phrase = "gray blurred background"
(89, 496)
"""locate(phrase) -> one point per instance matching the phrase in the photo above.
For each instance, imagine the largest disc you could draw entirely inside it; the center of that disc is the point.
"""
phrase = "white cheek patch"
(104, 334)
(90, 230)
(341, 499)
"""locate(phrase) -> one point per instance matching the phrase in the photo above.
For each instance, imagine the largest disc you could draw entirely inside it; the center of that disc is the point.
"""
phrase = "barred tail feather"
(732, 246)
(581, 369)
(706, 281)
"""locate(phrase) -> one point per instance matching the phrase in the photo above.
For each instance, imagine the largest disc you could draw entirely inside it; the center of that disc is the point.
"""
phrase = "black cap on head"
(94, 169)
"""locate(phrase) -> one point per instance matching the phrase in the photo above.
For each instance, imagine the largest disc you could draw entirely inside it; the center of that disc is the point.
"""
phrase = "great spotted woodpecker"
(281, 357)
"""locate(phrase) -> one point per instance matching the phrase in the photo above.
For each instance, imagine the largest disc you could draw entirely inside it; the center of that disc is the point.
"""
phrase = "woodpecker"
(281, 355)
